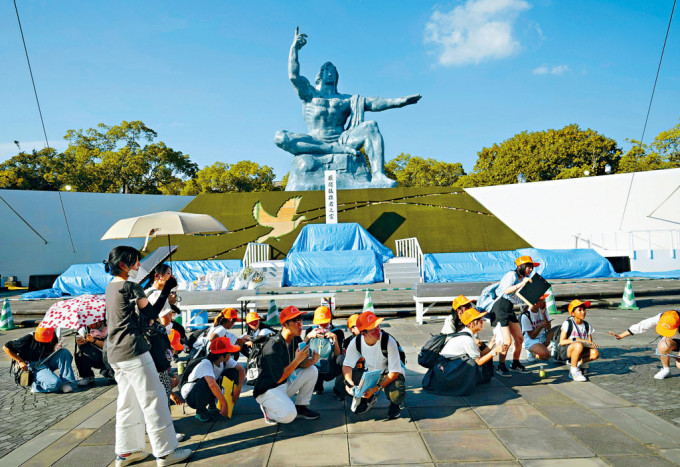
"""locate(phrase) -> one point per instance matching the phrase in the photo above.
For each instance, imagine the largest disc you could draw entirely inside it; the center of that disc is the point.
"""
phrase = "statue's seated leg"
(367, 135)
(300, 143)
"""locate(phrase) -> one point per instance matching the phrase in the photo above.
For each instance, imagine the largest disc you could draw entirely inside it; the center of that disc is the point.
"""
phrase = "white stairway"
(273, 272)
(401, 270)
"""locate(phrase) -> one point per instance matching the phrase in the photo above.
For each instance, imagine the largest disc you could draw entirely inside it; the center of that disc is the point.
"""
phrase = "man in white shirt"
(667, 326)
(202, 389)
(380, 352)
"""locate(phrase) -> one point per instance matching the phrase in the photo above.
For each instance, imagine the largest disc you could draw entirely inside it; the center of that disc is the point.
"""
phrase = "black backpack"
(254, 364)
(556, 337)
(184, 378)
(384, 339)
(429, 352)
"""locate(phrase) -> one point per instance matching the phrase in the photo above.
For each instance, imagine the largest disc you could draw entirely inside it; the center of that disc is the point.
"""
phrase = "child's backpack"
(558, 333)
(429, 352)
(384, 339)
(193, 337)
(487, 297)
(184, 378)
(254, 364)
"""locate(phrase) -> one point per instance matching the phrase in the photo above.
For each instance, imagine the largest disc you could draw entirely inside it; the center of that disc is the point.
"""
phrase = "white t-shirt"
(152, 295)
(577, 330)
(203, 369)
(461, 345)
(531, 321)
(373, 356)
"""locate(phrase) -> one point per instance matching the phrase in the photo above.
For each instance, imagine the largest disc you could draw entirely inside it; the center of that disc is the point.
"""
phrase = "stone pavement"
(621, 417)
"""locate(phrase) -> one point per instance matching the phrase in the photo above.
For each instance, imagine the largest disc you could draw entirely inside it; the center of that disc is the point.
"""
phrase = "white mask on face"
(168, 328)
(132, 274)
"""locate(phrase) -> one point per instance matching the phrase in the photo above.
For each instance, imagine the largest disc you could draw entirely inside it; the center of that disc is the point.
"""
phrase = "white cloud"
(476, 31)
(550, 70)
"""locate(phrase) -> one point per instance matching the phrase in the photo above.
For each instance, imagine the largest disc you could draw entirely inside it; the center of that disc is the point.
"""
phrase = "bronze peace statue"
(337, 131)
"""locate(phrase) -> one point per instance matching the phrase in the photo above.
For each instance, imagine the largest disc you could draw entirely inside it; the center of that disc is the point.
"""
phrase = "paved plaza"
(622, 416)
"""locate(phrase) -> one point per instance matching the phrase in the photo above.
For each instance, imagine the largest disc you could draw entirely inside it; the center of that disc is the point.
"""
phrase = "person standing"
(142, 404)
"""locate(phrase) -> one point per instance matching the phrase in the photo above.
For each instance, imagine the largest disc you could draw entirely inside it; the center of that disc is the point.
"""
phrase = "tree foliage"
(662, 153)
(544, 155)
(222, 178)
(416, 171)
(37, 170)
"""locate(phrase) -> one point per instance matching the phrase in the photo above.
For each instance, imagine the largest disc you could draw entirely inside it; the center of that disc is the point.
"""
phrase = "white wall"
(550, 214)
(23, 253)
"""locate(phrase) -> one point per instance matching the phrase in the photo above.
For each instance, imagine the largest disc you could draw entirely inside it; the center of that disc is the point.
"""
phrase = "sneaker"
(551, 349)
(131, 458)
(267, 420)
(203, 417)
(517, 367)
(66, 388)
(304, 412)
(576, 375)
(502, 370)
(179, 437)
(86, 381)
(531, 358)
(175, 457)
(393, 412)
(365, 405)
(663, 373)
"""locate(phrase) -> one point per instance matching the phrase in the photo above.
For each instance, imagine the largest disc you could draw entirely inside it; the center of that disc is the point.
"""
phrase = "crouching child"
(576, 341)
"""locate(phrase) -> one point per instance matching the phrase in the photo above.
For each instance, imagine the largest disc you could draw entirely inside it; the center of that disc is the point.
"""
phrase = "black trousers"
(201, 397)
(89, 356)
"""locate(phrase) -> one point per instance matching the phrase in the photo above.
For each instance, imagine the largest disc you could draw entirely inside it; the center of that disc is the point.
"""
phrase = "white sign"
(330, 176)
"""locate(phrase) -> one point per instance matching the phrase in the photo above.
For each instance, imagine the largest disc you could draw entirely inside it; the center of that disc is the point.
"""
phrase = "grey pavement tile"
(480, 464)
(375, 421)
(492, 394)
(542, 443)
(570, 415)
(542, 394)
(590, 395)
(330, 422)
(446, 418)
(59, 449)
(606, 440)
(100, 417)
(31, 448)
(379, 448)
(242, 426)
(421, 398)
(642, 425)
(672, 455)
(104, 435)
(590, 462)
(237, 452)
(468, 445)
(246, 404)
(326, 401)
(635, 461)
(507, 416)
(87, 455)
(79, 416)
(324, 450)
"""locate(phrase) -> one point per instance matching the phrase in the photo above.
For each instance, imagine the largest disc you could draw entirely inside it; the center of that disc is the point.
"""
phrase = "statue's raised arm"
(300, 83)
(378, 104)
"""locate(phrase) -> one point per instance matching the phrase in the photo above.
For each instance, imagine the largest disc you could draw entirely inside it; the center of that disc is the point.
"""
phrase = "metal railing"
(410, 248)
(256, 252)
(631, 241)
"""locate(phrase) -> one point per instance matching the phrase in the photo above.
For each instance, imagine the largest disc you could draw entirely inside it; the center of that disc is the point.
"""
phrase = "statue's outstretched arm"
(300, 83)
(377, 104)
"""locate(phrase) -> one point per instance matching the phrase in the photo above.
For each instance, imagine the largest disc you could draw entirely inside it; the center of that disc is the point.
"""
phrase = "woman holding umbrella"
(141, 397)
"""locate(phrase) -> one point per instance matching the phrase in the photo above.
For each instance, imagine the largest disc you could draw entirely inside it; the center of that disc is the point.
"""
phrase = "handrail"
(410, 248)
(256, 252)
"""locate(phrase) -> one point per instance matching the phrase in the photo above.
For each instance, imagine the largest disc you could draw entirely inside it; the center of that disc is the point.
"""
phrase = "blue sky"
(211, 77)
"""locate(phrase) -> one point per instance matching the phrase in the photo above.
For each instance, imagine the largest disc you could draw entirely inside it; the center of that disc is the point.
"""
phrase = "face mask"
(132, 274)
(168, 328)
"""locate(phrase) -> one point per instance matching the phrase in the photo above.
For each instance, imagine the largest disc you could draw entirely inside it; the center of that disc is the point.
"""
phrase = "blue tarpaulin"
(316, 268)
(490, 266)
(334, 237)
(653, 275)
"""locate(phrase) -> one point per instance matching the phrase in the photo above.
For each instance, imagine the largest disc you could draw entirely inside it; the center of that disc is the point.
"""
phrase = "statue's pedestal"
(307, 172)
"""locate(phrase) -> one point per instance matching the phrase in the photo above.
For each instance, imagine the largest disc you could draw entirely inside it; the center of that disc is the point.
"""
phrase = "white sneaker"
(663, 373)
(267, 420)
(576, 375)
(66, 387)
(176, 456)
(180, 437)
(531, 358)
(132, 458)
(86, 381)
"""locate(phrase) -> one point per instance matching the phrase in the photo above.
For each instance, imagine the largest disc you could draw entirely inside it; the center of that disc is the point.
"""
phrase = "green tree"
(124, 158)
(222, 178)
(37, 170)
(544, 155)
(416, 171)
(662, 153)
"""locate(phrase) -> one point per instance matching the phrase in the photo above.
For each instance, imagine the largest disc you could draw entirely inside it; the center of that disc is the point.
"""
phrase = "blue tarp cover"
(81, 279)
(490, 266)
(653, 275)
(332, 268)
(332, 237)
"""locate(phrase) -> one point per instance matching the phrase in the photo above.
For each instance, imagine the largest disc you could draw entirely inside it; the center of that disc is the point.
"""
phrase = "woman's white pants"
(277, 401)
(142, 401)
